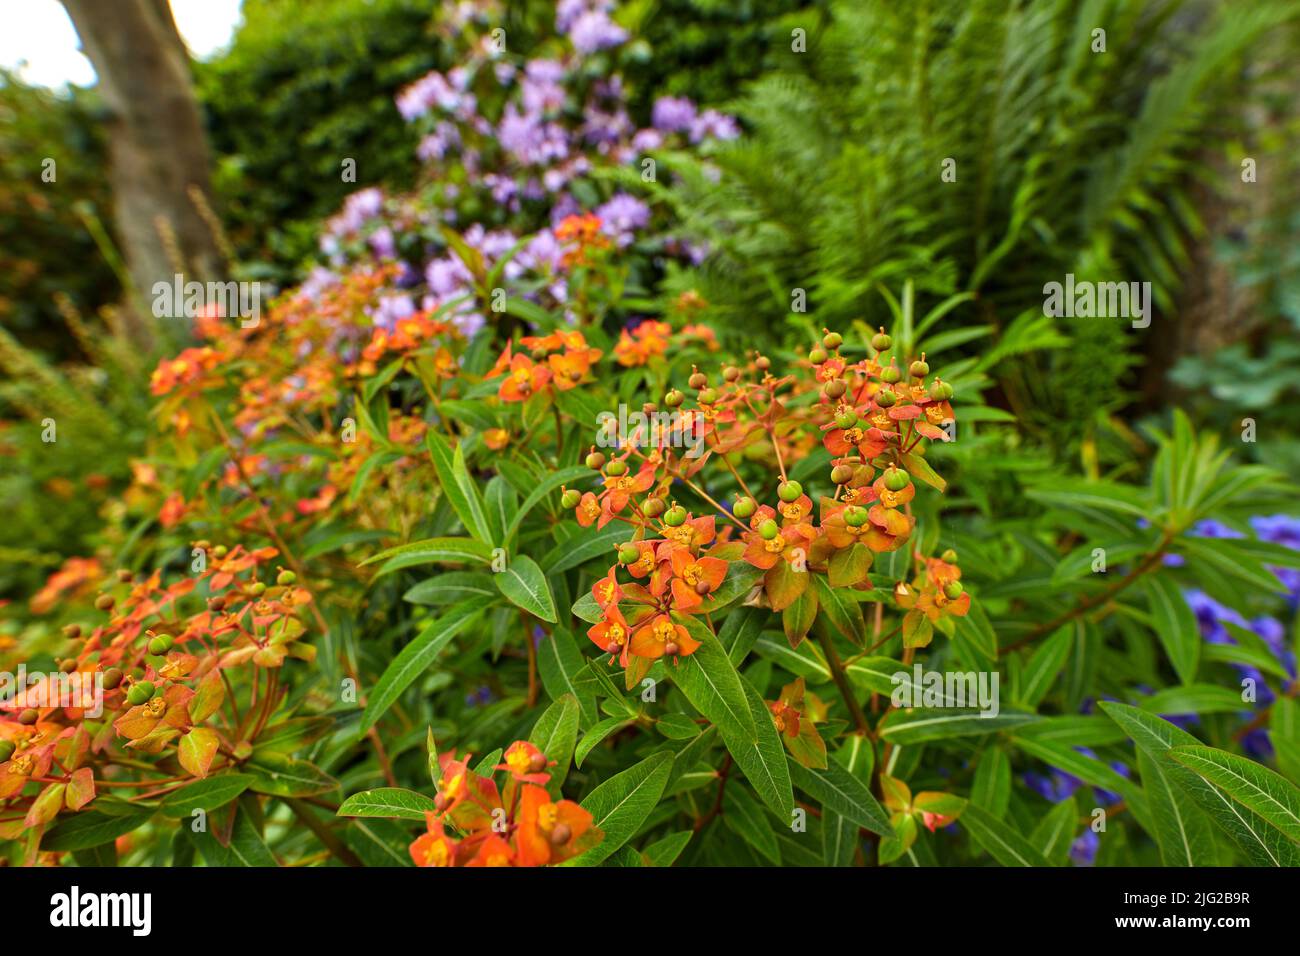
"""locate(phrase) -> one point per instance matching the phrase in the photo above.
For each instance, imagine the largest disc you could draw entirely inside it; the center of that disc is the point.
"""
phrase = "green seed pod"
(896, 479)
(818, 356)
(940, 391)
(570, 498)
(708, 396)
(919, 369)
(846, 419)
(762, 363)
(29, 716)
(890, 374)
(698, 380)
(112, 678)
(159, 646)
(881, 342)
(949, 556)
(789, 491)
(140, 693)
(104, 602)
(832, 340)
(886, 398)
(673, 398)
(730, 373)
(842, 474)
(675, 516)
(768, 530)
(596, 461)
(616, 468)
(855, 516)
(744, 507)
(835, 388)
(219, 552)
(953, 590)
(653, 507)
(285, 578)
(628, 553)
(7, 748)
(258, 588)
(72, 632)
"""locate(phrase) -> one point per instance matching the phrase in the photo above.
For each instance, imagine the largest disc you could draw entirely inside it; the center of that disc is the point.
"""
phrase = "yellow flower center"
(665, 631)
(693, 574)
(546, 816)
(853, 435)
(518, 760)
(616, 633)
(775, 546)
(437, 854)
(793, 511)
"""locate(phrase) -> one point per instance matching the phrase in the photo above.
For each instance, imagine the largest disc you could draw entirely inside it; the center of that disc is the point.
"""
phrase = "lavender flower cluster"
(502, 135)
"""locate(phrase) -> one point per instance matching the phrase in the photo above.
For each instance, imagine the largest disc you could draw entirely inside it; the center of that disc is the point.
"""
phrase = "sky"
(38, 39)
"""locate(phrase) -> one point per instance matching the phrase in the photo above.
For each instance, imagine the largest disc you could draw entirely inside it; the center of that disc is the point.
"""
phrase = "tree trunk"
(157, 146)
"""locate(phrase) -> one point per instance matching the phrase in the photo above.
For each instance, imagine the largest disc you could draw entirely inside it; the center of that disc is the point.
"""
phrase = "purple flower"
(673, 114)
(713, 125)
(622, 216)
(1083, 851)
(594, 30)
(391, 308)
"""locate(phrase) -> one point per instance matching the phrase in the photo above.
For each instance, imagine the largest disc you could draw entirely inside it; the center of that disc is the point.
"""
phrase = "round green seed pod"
(744, 507)
(768, 530)
(789, 491)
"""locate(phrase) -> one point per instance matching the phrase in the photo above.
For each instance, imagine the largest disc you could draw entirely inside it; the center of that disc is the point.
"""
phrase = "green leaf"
(561, 666)
(665, 852)
(246, 846)
(500, 503)
(1263, 844)
(840, 792)
(555, 734)
(430, 551)
(88, 829)
(839, 839)
(206, 794)
(920, 724)
(415, 657)
(991, 788)
(524, 585)
(458, 486)
(570, 554)
(762, 759)
(621, 804)
(1046, 663)
(712, 685)
(1175, 625)
(1055, 832)
(1270, 795)
(544, 487)
(1000, 841)
(595, 734)
(282, 776)
(392, 802)
(1182, 831)
(450, 587)
(745, 818)
(1103, 495)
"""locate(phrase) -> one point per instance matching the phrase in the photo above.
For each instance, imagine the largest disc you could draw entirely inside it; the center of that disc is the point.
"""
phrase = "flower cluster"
(520, 825)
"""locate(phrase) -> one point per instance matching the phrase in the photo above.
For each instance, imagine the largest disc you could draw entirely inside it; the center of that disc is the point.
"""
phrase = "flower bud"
(896, 479)
(789, 491)
(744, 507)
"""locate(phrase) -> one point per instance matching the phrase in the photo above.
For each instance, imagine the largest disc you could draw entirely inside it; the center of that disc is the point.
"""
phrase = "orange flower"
(551, 832)
(693, 578)
(662, 637)
(434, 848)
(525, 762)
(525, 379)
